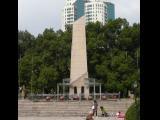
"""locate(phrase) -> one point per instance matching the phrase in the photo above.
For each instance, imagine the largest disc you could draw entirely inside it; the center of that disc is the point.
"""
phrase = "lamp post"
(19, 76)
(32, 80)
(32, 72)
(19, 68)
(94, 89)
(135, 86)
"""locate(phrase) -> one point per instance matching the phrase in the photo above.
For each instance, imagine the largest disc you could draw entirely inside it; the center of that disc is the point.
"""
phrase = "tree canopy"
(113, 54)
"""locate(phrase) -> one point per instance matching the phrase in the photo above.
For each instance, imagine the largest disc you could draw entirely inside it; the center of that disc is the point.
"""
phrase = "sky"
(36, 15)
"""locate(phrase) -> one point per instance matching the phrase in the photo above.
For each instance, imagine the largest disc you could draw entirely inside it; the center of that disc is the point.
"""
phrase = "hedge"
(133, 112)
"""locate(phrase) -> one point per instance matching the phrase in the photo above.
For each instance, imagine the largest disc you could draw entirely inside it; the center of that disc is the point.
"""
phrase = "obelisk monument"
(79, 70)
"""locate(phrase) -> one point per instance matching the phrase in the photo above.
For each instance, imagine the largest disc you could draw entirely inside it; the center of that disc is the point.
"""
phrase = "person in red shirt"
(120, 115)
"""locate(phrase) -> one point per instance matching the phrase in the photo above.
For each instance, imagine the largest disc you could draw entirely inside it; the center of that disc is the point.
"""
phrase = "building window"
(75, 90)
(89, 6)
(82, 89)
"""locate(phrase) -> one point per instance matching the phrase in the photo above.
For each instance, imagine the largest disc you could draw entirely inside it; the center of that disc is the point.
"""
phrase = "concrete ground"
(67, 118)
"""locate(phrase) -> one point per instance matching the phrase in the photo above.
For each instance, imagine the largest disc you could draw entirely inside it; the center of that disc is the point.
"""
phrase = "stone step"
(55, 114)
(58, 113)
(71, 104)
(69, 109)
(54, 110)
(28, 108)
(62, 112)
(75, 102)
(72, 108)
(66, 109)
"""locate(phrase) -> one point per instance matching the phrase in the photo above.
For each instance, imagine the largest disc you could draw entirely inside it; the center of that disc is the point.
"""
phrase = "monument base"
(79, 88)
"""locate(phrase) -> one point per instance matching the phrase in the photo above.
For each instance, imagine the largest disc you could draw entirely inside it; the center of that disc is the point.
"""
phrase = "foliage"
(133, 113)
(113, 54)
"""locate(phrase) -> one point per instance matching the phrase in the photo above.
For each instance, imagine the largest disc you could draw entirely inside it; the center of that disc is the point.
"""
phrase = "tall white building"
(99, 10)
(94, 10)
(68, 13)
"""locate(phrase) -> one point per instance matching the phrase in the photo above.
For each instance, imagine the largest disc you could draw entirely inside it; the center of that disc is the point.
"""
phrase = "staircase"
(71, 108)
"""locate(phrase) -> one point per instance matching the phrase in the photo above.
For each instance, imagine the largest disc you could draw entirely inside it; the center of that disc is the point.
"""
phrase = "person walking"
(95, 107)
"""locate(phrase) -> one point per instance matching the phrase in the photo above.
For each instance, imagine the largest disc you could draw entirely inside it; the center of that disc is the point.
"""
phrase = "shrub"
(133, 112)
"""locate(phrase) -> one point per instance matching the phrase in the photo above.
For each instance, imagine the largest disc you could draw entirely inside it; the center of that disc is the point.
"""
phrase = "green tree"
(46, 80)
(113, 54)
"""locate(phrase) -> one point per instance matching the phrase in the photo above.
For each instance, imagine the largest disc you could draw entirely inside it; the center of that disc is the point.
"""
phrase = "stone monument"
(79, 70)
(79, 83)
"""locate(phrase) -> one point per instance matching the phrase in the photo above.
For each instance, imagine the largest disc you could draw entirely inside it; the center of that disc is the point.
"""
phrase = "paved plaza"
(67, 118)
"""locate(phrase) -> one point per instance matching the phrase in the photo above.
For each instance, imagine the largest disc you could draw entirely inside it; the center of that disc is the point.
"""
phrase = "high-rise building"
(79, 8)
(110, 10)
(94, 10)
(68, 13)
(99, 10)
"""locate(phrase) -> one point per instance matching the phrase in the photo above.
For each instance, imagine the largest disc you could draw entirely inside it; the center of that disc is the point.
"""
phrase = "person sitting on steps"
(104, 113)
(120, 115)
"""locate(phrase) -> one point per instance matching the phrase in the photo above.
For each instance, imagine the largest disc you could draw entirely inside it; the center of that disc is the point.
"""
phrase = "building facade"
(79, 8)
(93, 10)
(110, 11)
(68, 13)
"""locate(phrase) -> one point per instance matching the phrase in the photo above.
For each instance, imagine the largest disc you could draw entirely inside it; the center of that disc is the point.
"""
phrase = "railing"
(111, 95)
(42, 97)
(74, 97)
(105, 96)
